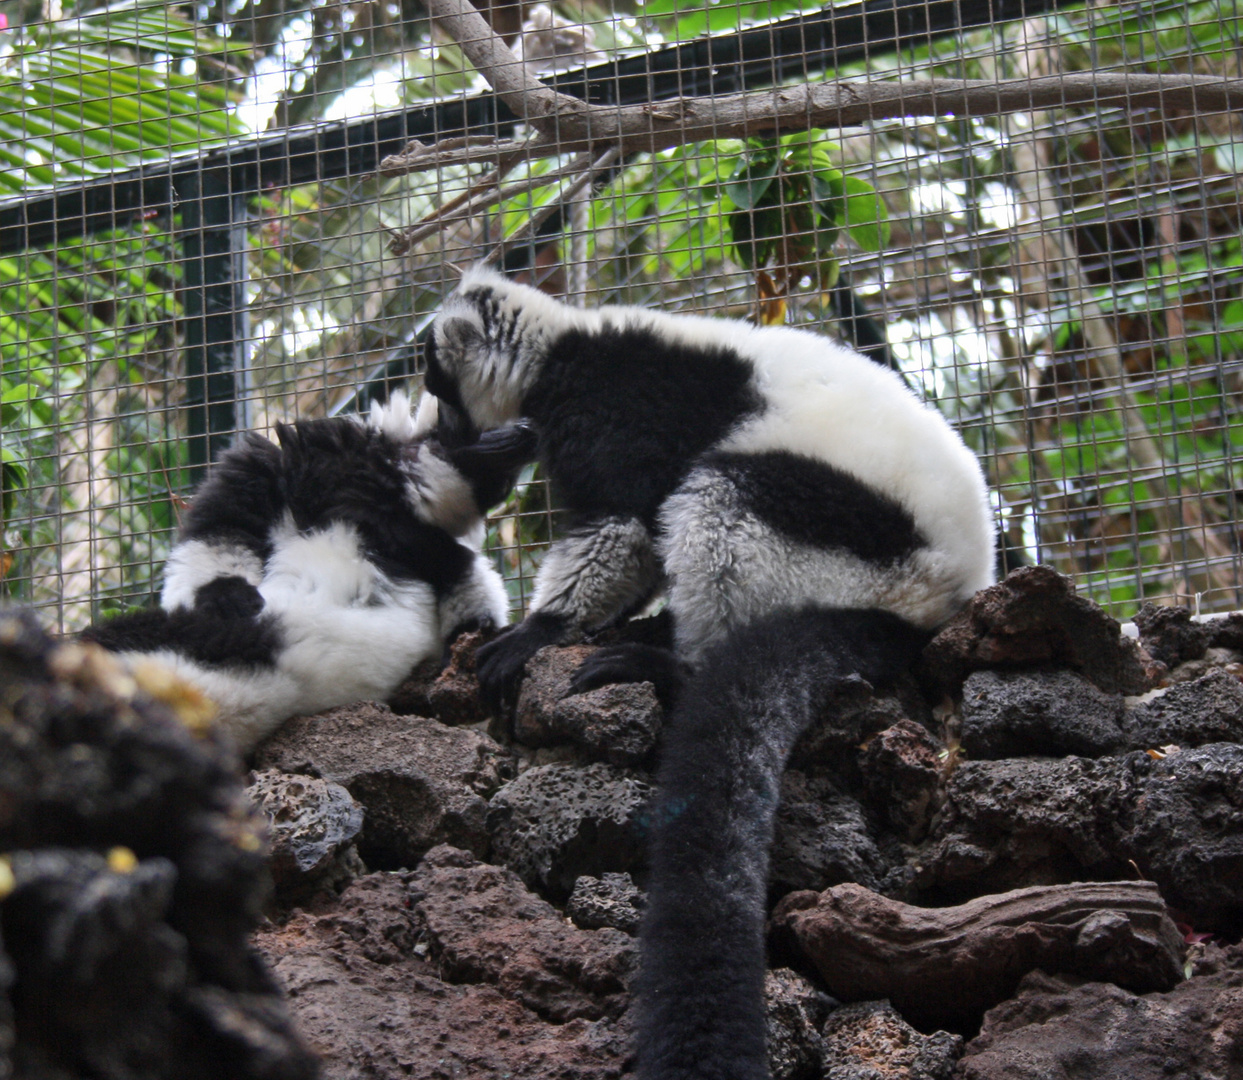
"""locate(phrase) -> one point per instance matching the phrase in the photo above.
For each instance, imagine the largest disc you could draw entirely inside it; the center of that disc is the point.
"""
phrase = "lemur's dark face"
(454, 427)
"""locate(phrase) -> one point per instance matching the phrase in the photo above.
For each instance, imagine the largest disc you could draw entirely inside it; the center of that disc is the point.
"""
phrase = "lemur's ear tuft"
(392, 418)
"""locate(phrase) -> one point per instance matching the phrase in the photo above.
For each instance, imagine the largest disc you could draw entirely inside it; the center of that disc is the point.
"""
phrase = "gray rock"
(312, 826)
(1030, 821)
(558, 822)
(870, 1041)
(421, 783)
(611, 900)
(1026, 821)
(1061, 1028)
(1188, 833)
(1206, 710)
(1170, 635)
(794, 1011)
(1054, 713)
(823, 838)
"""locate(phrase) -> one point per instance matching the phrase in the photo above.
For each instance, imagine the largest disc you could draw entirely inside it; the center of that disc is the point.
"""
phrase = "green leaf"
(752, 180)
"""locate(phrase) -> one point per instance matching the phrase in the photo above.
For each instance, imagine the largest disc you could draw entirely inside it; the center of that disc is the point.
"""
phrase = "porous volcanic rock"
(1034, 619)
(611, 900)
(450, 693)
(557, 822)
(312, 826)
(1062, 1028)
(1052, 713)
(870, 1041)
(901, 770)
(794, 1012)
(374, 1004)
(420, 782)
(1204, 710)
(483, 925)
(1038, 821)
(618, 724)
(823, 838)
(1170, 635)
(133, 873)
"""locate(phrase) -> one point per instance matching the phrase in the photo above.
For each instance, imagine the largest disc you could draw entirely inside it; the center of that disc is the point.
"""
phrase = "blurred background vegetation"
(1065, 286)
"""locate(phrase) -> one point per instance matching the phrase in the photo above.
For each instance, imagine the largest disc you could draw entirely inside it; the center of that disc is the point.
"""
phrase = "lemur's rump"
(319, 571)
(779, 486)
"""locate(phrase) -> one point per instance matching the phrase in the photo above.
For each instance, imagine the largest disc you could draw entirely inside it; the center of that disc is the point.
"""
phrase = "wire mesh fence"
(196, 238)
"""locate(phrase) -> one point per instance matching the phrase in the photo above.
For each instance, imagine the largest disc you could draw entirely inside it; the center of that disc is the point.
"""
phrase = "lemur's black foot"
(631, 663)
(502, 663)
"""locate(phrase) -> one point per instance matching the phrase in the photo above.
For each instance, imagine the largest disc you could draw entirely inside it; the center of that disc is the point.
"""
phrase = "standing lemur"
(810, 519)
(319, 571)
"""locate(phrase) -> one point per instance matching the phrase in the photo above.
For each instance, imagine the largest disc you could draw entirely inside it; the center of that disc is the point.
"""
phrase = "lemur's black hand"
(502, 663)
(631, 663)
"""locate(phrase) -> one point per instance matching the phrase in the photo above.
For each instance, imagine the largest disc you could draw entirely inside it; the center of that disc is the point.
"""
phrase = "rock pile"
(1026, 863)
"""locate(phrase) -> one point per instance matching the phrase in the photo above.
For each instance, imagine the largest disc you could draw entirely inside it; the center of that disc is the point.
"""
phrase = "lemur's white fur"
(348, 631)
(820, 400)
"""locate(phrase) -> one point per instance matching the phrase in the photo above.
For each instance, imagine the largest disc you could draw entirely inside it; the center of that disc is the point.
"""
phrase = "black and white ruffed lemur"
(810, 520)
(319, 570)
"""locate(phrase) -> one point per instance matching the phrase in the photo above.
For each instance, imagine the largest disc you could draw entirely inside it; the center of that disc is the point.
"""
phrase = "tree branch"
(567, 125)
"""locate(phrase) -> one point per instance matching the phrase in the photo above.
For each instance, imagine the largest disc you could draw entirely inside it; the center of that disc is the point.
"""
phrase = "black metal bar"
(728, 63)
(213, 244)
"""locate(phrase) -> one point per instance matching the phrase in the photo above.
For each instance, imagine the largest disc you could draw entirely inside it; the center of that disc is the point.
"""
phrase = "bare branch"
(567, 125)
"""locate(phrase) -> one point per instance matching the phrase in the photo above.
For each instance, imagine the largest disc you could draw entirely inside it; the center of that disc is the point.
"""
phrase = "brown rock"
(372, 1006)
(421, 783)
(901, 777)
(618, 724)
(870, 1041)
(450, 694)
(794, 1010)
(1059, 1028)
(1034, 618)
(558, 822)
(866, 946)
(484, 925)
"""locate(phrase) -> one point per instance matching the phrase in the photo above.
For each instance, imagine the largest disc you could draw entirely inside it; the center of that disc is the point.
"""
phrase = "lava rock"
(420, 782)
(1170, 635)
(135, 872)
(612, 900)
(483, 925)
(558, 822)
(449, 693)
(1226, 632)
(1205, 710)
(312, 826)
(1034, 619)
(794, 1010)
(1029, 821)
(854, 714)
(1179, 821)
(618, 724)
(367, 995)
(1054, 713)
(870, 1041)
(823, 838)
(901, 770)
(1188, 833)
(1062, 1028)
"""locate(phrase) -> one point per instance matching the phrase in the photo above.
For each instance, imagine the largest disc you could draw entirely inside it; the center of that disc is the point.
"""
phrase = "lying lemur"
(320, 571)
(810, 519)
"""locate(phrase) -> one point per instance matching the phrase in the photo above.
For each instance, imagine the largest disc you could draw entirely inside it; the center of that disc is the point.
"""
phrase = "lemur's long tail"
(700, 989)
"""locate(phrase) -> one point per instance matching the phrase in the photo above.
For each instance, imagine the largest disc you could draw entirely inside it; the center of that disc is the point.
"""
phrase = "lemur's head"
(485, 350)
(341, 469)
